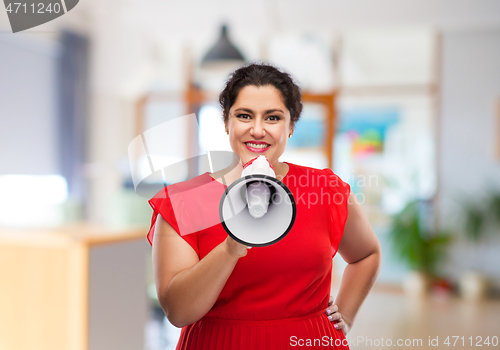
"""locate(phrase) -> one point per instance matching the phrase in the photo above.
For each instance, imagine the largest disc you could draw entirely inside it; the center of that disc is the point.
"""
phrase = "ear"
(225, 122)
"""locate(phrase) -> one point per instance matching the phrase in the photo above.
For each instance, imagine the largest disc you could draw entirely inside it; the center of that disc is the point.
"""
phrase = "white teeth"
(257, 145)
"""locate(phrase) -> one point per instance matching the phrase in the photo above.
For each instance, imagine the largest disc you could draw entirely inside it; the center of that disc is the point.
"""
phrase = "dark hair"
(262, 74)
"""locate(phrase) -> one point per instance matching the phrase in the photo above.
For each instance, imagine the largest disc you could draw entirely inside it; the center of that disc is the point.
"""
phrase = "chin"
(245, 159)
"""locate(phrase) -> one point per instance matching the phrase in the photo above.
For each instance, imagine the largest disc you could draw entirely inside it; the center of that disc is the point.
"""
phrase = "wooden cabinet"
(73, 288)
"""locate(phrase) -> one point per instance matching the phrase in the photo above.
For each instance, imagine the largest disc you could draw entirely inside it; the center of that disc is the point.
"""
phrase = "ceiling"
(261, 16)
(189, 18)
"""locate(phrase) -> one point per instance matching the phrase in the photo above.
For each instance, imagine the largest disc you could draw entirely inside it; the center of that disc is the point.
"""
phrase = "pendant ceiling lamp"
(223, 52)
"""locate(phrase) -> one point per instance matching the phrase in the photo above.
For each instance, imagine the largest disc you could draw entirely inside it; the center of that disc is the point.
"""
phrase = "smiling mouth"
(257, 145)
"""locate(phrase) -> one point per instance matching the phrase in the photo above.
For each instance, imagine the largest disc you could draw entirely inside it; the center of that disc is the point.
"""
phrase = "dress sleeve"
(163, 204)
(339, 194)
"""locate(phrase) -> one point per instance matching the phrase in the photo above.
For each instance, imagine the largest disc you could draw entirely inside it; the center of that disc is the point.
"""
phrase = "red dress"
(277, 295)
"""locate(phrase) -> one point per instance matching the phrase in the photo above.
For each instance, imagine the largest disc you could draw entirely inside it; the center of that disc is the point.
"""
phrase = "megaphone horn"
(257, 209)
(258, 195)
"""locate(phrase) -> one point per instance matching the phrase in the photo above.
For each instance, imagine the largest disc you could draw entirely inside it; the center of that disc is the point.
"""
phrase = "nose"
(257, 129)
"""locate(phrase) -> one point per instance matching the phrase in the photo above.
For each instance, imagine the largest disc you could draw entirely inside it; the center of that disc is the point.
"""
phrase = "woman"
(225, 296)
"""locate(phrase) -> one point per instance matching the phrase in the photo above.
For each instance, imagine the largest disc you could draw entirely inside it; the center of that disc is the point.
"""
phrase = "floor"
(440, 321)
(389, 319)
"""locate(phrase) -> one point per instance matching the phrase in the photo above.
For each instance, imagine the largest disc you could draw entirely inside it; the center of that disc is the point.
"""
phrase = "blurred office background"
(401, 100)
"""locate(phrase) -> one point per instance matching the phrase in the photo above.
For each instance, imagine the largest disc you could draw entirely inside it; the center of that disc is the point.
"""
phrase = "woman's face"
(259, 124)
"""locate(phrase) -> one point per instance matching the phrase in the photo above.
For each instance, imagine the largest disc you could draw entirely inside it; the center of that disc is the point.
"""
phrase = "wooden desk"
(73, 288)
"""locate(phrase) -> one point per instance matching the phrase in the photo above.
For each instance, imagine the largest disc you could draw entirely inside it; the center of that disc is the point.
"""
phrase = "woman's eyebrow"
(268, 111)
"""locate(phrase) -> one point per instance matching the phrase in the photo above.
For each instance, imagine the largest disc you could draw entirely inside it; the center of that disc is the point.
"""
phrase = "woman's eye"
(246, 116)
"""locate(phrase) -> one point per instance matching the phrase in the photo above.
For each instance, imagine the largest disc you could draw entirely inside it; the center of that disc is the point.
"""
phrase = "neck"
(280, 169)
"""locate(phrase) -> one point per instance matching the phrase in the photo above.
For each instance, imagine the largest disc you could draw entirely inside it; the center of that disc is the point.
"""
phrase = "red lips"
(257, 150)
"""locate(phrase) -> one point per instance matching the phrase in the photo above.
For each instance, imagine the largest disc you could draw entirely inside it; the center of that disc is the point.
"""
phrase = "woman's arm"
(188, 287)
(360, 248)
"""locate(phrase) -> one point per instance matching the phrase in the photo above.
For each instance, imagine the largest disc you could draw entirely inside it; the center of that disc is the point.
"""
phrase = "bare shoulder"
(359, 240)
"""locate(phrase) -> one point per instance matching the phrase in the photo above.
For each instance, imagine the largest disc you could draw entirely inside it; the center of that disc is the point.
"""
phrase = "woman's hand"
(235, 248)
(335, 316)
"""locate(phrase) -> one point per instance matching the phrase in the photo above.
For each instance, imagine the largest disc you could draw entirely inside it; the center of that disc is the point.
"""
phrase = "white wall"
(469, 132)
(28, 106)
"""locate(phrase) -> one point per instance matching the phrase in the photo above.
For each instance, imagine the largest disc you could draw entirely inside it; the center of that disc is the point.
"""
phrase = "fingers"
(235, 248)
(335, 316)
(340, 326)
(331, 309)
